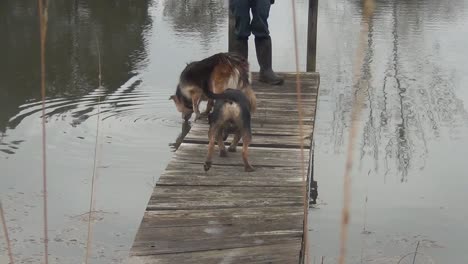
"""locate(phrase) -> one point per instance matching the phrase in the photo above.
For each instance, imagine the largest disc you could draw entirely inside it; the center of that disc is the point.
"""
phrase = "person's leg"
(259, 27)
(260, 14)
(241, 12)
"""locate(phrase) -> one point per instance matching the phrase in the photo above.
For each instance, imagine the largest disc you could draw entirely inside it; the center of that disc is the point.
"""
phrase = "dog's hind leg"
(209, 106)
(209, 157)
(234, 142)
(222, 147)
(246, 138)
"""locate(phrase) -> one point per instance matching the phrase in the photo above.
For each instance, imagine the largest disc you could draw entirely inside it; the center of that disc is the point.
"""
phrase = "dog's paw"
(223, 153)
(249, 168)
(207, 165)
(232, 148)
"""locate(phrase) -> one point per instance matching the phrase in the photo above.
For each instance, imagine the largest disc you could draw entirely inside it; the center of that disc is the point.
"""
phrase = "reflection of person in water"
(258, 26)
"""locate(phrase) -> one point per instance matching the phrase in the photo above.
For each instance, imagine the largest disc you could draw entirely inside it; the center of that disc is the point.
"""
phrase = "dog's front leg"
(209, 106)
(196, 98)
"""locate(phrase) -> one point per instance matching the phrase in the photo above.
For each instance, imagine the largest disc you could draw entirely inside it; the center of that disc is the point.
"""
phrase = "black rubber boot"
(267, 75)
(241, 47)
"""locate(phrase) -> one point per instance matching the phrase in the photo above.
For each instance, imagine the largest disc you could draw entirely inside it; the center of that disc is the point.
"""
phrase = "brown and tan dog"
(213, 75)
(231, 114)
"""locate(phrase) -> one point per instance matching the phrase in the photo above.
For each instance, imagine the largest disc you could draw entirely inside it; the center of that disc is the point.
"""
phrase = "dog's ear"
(172, 97)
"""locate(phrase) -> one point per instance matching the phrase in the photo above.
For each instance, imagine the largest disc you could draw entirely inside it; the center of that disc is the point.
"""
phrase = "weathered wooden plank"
(263, 142)
(281, 114)
(259, 136)
(276, 110)
(261, 126)
(282, 95)
(285, 119)
(264, 118)
(290, 93)
(227, 216)
(309, 83)
(265, 115)
(277, 113)
(284, 253)
(216, 231)
(241, 192)
(204, 197)
(258, 140)
(290, 77)
(266, 129)
(288, 89)
(183, 174)
(182, 244)
(267, 157)
(286, 99)
(263, 108)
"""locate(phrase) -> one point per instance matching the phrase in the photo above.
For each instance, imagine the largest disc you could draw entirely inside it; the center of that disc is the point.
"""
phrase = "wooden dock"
(227, 215)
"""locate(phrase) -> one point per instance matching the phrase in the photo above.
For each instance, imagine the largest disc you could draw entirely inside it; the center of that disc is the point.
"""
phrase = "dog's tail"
(250, 94)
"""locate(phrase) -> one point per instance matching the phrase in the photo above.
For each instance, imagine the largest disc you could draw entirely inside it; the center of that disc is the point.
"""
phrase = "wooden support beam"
(312, 36)
(231, 23)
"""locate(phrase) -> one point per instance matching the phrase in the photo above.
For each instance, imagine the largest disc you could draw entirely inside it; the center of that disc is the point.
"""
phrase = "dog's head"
(182, 105)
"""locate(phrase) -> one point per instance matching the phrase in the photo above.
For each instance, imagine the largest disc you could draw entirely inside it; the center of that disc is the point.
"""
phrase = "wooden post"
(312, 36)
(231, 24)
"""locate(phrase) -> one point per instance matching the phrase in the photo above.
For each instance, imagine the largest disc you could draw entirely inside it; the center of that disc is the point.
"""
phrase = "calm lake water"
(409, 157)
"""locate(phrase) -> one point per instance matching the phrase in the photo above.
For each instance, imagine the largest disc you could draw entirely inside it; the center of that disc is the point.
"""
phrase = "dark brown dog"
(212, 75)
(231, 114)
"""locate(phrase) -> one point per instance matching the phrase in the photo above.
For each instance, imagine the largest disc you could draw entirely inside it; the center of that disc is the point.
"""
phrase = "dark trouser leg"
(241, 12)
(260, 13)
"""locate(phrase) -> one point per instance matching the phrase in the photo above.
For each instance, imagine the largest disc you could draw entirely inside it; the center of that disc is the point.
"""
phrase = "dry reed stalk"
(7, 237)
(368, 9)
(412, 253)
(301, 135)
(42, 9)
(416, 252)
(95, 164)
